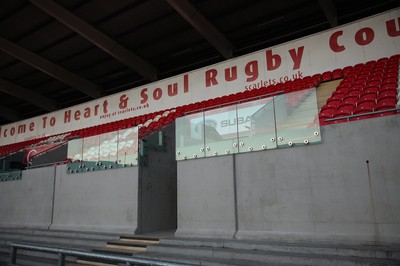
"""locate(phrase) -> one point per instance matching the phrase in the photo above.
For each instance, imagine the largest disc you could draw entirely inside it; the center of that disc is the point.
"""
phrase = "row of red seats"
(365, 87)
(369, 87)
(164, 120)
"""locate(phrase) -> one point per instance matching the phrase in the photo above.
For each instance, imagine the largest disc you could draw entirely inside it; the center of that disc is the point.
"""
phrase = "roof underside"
(55, 54)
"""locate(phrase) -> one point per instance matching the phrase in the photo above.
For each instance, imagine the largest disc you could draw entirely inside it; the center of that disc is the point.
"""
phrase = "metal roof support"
(203, 26)
(9, 114)
(51, 69)
(98, 38)
(27, 95)
(330, 12)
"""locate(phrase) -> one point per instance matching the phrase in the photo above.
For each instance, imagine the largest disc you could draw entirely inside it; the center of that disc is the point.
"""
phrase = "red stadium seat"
(341, 114)
(365, 103)
(328, 109)
(352, 99)
(387, 92)
(347, 70)
(361, 81)
(367, 111)
(382, 107)
(390, 80)
(387, 100)
(337, 73)
(346, 107)
(368, 95)
(326, 76)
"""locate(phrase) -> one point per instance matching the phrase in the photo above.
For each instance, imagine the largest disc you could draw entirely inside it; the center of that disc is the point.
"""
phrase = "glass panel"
(221, 131)
(296, 115)
(75, 150)
(91, 149)
(256, 125)
(128, 147)
(108, 147)
(190, 137)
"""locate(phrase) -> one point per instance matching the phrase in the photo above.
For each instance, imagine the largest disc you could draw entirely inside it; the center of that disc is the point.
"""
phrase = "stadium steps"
(325, 90)
(246, 252)
(56, 238)
(126, 245)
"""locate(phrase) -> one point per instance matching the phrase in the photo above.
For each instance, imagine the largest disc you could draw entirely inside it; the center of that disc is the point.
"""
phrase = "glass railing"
(281, 121)
(295, 118)
(106, 151)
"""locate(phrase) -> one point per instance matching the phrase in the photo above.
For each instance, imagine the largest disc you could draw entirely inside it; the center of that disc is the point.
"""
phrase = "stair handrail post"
(13, 259)
(61, 259)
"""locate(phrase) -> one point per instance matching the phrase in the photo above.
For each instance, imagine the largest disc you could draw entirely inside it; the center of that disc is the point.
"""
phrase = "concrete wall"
(101, 200)
(206, 203)
(28, 202)
(325, 191)
(158, 187)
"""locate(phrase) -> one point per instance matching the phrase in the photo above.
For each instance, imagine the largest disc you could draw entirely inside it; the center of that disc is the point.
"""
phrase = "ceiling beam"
(98, 38)
(27, 95)
(203, 26)
(51, 69)
(9, 114)
(330, 12)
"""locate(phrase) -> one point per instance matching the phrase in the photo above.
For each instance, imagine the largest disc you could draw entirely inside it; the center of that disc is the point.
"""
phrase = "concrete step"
(95, 262)
(58, 233)
(140, 239)
(262, 256)
(48, 240)
(132, 246)
(23, 260)
(6, 250)
(200, 260)
(116, 251)
(339, 249)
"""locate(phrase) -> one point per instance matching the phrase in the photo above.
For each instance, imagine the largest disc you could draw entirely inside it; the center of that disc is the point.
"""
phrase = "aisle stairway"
(126, 245)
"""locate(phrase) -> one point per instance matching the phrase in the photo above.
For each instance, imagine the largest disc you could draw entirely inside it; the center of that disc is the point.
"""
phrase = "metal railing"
(62, 252)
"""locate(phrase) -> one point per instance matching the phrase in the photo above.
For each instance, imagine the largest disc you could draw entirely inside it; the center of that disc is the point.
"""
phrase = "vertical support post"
(61, 259)
(13, 259)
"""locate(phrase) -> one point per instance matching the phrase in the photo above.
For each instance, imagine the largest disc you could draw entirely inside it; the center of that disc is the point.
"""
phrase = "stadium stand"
(364, 89)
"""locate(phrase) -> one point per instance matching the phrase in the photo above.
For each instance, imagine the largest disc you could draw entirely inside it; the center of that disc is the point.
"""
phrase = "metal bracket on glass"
(280, 138)
(306, 141)
(272, 139)
(227, 151)
(234, 145)
(207, 148)
(290, 144)
(241, 144)
(264, 147)
(316, 133)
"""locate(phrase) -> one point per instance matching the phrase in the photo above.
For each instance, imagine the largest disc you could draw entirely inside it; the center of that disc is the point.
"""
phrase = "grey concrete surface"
(93, 201)
(206, 198)
(322, 191)
(28, 202)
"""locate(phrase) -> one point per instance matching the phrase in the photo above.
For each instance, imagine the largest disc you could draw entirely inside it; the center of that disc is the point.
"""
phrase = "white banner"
(367, 39)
